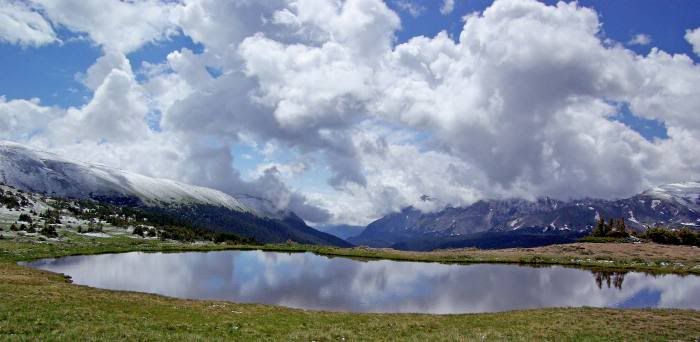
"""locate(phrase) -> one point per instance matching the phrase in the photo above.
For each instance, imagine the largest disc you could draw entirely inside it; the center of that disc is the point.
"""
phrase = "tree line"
(613, 228)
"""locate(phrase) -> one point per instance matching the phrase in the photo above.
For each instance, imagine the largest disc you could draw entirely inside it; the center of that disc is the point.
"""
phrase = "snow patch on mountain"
(632, 218)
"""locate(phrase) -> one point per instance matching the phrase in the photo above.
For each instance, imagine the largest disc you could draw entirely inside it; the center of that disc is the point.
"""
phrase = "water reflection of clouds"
(304, 280)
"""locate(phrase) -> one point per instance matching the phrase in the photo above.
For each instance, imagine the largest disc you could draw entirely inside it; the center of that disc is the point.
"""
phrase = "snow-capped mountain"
(41, 172)
(673, 205)
(48, 173)
(687, 194)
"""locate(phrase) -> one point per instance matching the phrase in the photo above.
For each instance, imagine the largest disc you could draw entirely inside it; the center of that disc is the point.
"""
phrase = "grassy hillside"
(38, 305)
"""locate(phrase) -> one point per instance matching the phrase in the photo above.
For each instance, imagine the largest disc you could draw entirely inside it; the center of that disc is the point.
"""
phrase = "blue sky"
(53, 72)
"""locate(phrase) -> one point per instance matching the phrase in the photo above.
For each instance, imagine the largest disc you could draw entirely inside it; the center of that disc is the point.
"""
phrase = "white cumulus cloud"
(23, 25)
(119, 25)
(640, 39)
(447, 7)
(412, 8)
(693, 37)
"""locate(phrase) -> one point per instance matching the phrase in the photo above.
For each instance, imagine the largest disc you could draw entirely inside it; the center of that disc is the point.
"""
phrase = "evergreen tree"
(600, 229)
(25, 218)
(623, 227)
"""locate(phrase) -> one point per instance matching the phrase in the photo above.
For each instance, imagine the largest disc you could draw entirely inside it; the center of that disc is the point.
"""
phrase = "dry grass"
(612, 251)
(615, 251)
(647, 257)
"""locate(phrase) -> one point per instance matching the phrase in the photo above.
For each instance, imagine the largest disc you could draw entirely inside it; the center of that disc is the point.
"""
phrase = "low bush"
(665, 236)
(602, 239)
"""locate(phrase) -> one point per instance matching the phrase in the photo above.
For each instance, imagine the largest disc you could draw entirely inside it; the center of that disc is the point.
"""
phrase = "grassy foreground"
(37, 305)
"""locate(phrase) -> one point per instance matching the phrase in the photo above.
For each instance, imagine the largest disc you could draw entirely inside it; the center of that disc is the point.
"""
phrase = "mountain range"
(518, 222)
(484, 224)
(36, 171)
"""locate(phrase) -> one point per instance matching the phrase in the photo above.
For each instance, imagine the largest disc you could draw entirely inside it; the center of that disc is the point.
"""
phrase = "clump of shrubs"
(151, 233)
(49, 231)
(145, 231)
(227, 238)
(25, 218)
(8, 200)
(51, 216)
(665, 236)
(139, 230)
(94, 228)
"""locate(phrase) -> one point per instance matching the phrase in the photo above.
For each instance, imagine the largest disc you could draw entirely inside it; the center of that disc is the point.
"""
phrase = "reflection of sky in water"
(315, 282)
(643, 298)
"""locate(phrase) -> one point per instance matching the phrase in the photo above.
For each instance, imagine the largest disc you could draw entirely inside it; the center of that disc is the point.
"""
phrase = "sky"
(346, 110)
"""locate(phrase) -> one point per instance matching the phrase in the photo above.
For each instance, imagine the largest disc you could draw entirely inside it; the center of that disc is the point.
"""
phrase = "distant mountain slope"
(41, 172)
(521, 238)
(675, 205)
(343, 231)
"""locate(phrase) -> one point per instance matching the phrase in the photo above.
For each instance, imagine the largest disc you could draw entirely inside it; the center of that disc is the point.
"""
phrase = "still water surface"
(309, 281)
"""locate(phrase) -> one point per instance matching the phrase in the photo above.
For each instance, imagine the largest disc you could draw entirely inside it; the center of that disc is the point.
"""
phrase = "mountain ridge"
(675, 205)
(37, 171)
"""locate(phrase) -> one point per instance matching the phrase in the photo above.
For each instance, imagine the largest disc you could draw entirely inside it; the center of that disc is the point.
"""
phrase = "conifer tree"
(600, 228)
